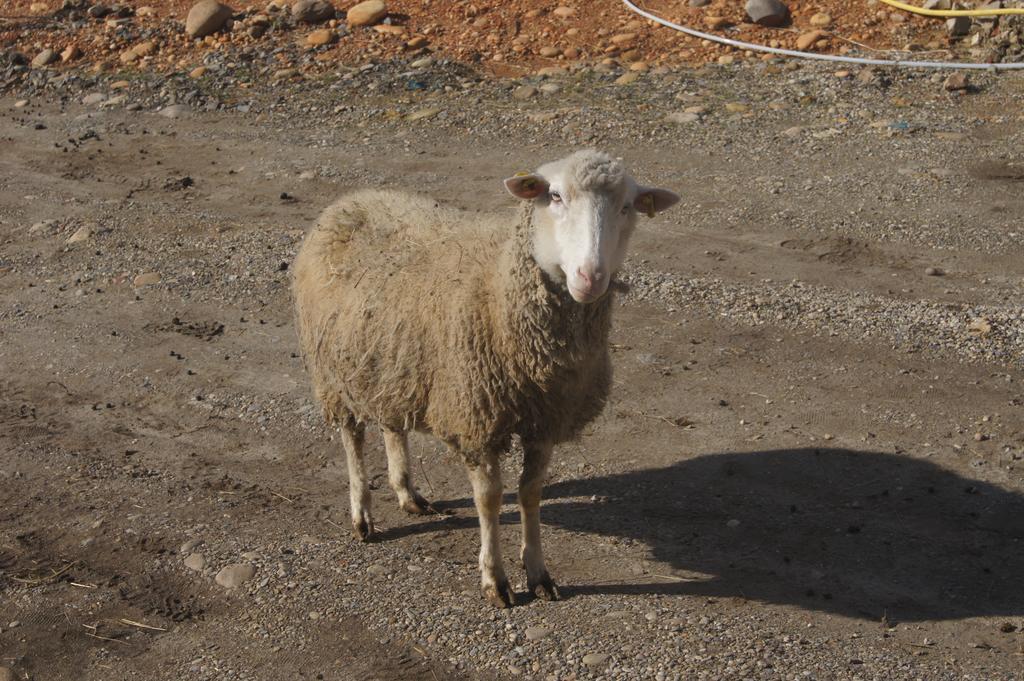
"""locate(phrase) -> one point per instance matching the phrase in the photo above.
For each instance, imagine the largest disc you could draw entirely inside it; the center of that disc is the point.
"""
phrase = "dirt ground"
(771, 494)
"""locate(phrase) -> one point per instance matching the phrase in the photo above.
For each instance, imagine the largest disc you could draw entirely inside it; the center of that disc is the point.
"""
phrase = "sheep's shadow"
(860, 534)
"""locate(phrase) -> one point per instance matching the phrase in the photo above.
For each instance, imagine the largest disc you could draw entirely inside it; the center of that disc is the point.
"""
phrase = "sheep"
(471, 327)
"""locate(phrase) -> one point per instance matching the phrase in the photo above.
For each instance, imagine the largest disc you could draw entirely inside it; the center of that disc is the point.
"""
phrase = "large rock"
(206, 17)
(312, 11)
(366, 13)
(768, 12)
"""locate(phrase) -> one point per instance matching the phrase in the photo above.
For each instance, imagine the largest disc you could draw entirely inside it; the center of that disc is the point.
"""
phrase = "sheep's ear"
(526, 185)
(651, 200)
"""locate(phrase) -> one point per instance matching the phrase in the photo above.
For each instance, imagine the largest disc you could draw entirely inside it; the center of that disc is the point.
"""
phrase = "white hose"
(822, 57)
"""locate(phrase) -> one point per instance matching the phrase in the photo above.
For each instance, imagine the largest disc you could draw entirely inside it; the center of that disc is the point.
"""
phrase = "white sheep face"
(587, 207)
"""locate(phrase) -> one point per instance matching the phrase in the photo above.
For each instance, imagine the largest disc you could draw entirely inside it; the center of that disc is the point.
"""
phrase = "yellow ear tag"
(522, 173)
(648, 204)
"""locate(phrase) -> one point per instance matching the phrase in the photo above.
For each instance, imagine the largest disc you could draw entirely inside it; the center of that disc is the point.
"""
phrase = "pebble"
(821, 20)
(550, 88)
(93, 98)
(699, 3)
(551, 71)
(174, 111)
(367, 13)
(958, 26)
(737, 107)
(323, 36)
(235, 575)
(45, 58)
(21, 104)
(70, 53)
(196, 562)
(682, 117)
(623, 38)
(423, 114)
(537, 633)
(563, 12)
(806, 40)
(933, 272)
(768, 12)
(206, 17)
(524, 92)
(197, 72)
(733, 523)
(312, 11)
(627, 78)
(715, 23)
(956, 81)
(146, 279)
(549, 52)
(81, 234)
(189, 546)
(422, 63)
(594, 659)
(417, 42)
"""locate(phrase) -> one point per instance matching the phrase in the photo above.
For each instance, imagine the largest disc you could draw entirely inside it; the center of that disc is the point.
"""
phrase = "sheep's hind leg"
(531, 483)
(487, 492)
(352, 434)
(396, 444)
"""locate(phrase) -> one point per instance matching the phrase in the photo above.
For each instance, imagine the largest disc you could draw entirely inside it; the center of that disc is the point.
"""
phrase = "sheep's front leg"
(487, 492)
(396, 444)
(531, 483)
(358, 485)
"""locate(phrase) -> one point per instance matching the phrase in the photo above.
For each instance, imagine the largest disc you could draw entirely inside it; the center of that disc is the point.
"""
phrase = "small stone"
(145, 11)
(623, 38)
(21, 104)
(524, 92)
(933, 272)
(197, 72)
(537, 633)
(71, 53)
(195, 562)
(627, 78)
(45, 58)
(768, 12)
(733, 523)
(421, 63)
(958, 26)
(682, 117)
(189, 546)
(235, 575)
(146, 279)
(956, 81)
(549, 52)
(44, 226)
(549, 71)
(423, 114)
(251, 555)
(842, 74)
(312, 11)
(206, 17)
(93, 98)
(98, 11)
(594, 659)
(699, 3)
(726, 59)
(389, 29)
(38, 7)
(821, 20)
(937, 4)
(81, 234)
(320, 37)
(174, 111)
(639, 66)
(563, 12)
(377, 570)
(980, 437)
(367, 13)
(715, 23)
(806, 40)
(119, 85)
(550, 88)
(417, 42)
(737, 107)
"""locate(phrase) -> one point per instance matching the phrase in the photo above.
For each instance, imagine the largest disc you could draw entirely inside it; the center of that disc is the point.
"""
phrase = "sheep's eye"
(556, 197)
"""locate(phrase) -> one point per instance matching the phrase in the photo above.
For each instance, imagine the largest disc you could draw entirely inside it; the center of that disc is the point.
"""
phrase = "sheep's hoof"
(362, 528)
(545, 588)
(499, 595)
(417, 505)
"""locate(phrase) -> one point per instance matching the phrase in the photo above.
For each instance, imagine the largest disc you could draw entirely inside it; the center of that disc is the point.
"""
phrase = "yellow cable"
(954, 12)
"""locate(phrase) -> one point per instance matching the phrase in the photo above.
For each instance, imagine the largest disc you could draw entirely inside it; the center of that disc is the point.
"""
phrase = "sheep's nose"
(589, 280)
